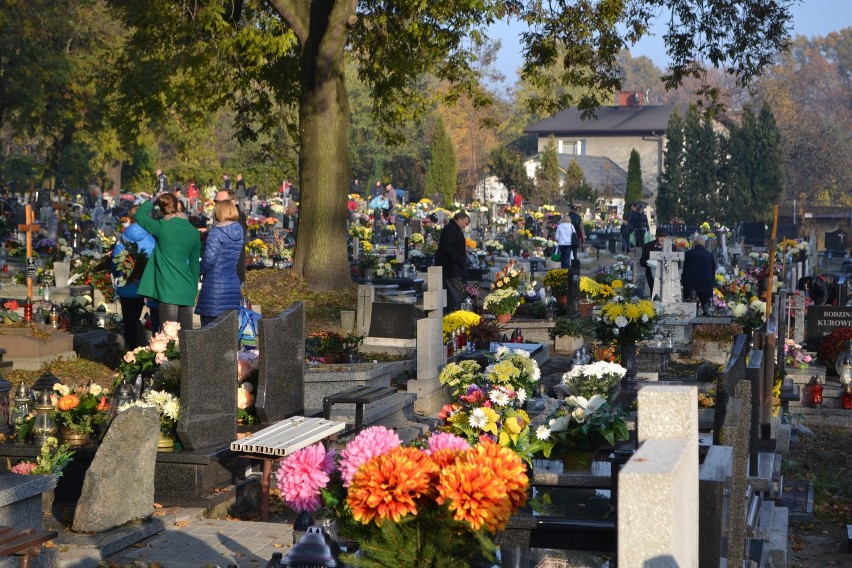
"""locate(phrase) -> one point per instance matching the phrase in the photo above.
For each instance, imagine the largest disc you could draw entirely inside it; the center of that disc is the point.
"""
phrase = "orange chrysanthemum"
(388, 486)
(68, 402)
(484, 486)
(446, 457)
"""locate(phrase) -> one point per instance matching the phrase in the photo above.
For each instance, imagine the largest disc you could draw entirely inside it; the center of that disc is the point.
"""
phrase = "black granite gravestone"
(753, 233)
(788, 232)
(281, 366)
(835, 241)
(391, 319)
(208, 389)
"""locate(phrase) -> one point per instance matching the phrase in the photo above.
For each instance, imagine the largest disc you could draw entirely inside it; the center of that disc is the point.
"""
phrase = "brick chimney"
(630, 99)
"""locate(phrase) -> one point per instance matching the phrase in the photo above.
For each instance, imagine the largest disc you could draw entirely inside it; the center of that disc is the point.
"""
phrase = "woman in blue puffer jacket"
(126, 284)
(220, 285)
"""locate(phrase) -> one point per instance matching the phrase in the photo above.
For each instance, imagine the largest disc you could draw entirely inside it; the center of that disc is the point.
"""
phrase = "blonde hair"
(225, 210)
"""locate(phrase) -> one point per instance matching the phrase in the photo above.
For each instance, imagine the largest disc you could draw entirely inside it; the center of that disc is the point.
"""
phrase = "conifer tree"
(634, 178)
(671, 181)
(547, 176)
(769, 164)
(699, 193)
(576, 187)
(441, 175)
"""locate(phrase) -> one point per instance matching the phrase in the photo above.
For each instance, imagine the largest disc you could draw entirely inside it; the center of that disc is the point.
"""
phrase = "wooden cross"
(28, 228)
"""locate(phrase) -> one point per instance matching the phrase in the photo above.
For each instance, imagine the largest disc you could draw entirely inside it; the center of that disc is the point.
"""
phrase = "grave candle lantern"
(816, 391)
(44, 426)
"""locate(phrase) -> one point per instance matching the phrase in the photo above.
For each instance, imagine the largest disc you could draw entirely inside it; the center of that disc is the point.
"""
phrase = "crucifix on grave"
(668, 272)
(28, 227)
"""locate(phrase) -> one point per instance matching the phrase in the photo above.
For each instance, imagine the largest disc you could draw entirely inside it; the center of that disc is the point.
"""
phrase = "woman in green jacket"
(171, 275)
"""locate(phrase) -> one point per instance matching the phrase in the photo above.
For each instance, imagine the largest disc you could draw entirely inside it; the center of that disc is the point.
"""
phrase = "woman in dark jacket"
(220, 285)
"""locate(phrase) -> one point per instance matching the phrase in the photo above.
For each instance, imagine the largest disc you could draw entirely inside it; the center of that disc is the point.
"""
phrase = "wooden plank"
(25, 540)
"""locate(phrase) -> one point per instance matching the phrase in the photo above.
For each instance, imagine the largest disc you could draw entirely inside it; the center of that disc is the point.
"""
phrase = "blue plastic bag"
(247, 334)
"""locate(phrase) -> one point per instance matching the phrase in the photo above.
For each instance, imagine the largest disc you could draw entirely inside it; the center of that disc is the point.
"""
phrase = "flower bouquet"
(795, 356)
(488, 403)
(80, 410)
(409, 507)
(626, 320)
(750, 316)
(600, 377)
(509, 278)
(591, 290)
(163, 347)
(323, 343)
(503, 301)
(168, 409)
(582, 425)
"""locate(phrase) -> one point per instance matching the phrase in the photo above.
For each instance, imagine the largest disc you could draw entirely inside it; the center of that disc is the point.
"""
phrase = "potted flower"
(368, 262)
(750, 316)
(79, 411)
(146, 360)
(559, 282)
(10, 313)
(484, 333)
(568, 333)
(502, 303)
(579, 427)
(51, 461)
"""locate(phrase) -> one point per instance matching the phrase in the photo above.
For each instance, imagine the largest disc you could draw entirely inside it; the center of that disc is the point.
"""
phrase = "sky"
(810, 18)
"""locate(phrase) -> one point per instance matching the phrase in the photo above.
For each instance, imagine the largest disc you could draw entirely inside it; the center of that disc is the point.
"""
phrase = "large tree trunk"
(321, 255)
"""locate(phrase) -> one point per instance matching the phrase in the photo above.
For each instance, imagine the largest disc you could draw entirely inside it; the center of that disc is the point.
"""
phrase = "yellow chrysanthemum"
(470, 243)
(616, 284)
(504, 372)
(647, 308)
(68, 402)
(633, 312)
(612, 310)
(367, 245)
(388, 486)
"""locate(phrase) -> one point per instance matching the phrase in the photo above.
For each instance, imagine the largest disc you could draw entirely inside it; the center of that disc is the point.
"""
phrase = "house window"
(570, 147)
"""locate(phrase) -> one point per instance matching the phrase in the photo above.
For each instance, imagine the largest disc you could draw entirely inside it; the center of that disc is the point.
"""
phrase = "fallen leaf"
(157, 506)
(182, 523)
(239, 554)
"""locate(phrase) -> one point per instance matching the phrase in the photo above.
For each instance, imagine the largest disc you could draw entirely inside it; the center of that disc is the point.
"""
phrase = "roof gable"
(611, 120)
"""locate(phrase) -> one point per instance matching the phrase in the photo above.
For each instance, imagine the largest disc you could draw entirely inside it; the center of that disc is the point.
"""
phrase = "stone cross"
(28, 227)
(668, 273)
(799, 317)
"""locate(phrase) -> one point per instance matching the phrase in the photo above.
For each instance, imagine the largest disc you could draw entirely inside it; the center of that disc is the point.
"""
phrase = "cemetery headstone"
(431, 353)
(392, 320)
(366, 296)
(281, 365)
(62, 271)
(753, 234)
(208, 394)
(668, 272)
(822, 320)
(836, 241)
(737, 435)
(798, 307)
(119, 485)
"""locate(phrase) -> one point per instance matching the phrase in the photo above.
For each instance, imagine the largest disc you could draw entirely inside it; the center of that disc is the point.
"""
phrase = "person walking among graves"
(645, 258)
(452, 257)
(220, 285)
(162, 182)
(577, 221)
(565, 237)
(243, 221)
(639, 225)
(171, 275)
(699, 273)
(226, 182)
(132, 237)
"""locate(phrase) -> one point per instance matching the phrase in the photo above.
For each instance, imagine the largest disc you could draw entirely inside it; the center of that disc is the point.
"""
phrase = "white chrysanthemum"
(477, 418)
(644, 318)
(542, 432)
(499, 397)
(579, 415)
(738, 310)
(621, 321)
(171, 409)
(522, 395)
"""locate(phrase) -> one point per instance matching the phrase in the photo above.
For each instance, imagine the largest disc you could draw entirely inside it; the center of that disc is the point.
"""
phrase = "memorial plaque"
(822, 320)
(392, 320)
(32, 273)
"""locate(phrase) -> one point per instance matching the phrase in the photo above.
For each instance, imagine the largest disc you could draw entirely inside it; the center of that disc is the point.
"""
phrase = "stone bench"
(280, 440)
(359, 396)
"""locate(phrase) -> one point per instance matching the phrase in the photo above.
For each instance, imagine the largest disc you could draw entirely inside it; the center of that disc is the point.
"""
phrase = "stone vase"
(628, 359)
(47, 499)
(568, 343)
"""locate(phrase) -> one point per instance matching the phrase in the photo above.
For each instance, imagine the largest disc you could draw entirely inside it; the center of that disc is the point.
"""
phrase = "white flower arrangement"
(598, 378)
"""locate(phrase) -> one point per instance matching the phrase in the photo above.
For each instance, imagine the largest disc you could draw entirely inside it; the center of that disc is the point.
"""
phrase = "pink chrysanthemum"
(371, 442)
(446, 441)
(302, 475)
